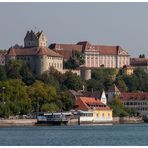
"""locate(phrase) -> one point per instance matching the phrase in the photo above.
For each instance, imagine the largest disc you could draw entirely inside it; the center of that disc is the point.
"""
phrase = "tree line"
(21, 92)
(103, 78)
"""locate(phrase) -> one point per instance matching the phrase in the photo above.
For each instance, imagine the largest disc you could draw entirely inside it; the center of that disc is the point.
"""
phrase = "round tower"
(85, 73)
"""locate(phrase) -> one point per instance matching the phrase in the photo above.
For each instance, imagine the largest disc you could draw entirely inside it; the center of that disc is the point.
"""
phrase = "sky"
(123, 24)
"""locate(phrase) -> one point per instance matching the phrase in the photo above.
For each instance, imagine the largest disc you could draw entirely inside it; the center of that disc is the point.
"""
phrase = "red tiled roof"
(139, 61)
(3, 52)
(84, 102)
(109, 50)
(134, 96)
(66, 50)
(31, 52)
(85, 45)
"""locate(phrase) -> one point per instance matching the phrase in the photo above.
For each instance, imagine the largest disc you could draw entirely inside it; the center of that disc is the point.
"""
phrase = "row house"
(136, 100)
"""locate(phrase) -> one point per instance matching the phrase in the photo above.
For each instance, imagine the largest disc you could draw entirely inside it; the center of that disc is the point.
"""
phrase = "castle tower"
(42, 40)
(85, 73)
(33, 39)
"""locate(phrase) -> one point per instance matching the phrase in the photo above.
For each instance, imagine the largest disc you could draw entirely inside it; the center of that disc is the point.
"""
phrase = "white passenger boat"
(54, 118)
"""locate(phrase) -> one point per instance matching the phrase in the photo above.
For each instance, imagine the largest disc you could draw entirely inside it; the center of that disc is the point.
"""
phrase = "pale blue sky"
(124, 24)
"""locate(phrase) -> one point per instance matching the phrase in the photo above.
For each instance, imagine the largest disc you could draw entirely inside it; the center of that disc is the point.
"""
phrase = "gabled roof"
(31, 35)
(113, 88)
(39, 33)
(78, 94)
(139, 61)
(85, 103)
(32, 52)
(134, 96)
(3, 52)
(110, 50)
(66, 50)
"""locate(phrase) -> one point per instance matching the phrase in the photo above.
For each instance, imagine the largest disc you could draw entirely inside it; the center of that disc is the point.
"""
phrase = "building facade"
(137, 100)
(105, 56)
(127, 69)
(36, 54)
(93, 110)
(2, 57)
(33, 39)
(139, 63)
(95, 55)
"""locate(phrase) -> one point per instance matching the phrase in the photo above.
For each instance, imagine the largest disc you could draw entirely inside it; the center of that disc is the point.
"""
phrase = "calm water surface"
(133, 134)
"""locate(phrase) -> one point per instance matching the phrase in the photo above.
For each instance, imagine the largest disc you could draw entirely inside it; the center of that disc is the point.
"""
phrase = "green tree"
(13, 69)
(52, 107)
(26, 74)
(14, 100)
(40, 94)
(3, 76)
(80, 58)
(71, 63)
(102, 78)
(118, 107)
(138, 81)
(72, 81)
(67, 101)
(121, 84)
(94, 84)
(75, 60)
(49, 78)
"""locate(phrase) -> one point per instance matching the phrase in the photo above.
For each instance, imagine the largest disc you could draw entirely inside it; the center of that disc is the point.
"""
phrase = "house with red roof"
(93, 110)
(135, 100)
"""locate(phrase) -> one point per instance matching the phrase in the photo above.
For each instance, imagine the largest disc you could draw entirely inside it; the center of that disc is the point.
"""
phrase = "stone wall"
(17, 122)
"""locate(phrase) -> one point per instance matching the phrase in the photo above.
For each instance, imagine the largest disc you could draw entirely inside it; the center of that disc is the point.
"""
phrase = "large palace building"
(95, 55)
(40, 58)
(36, 53)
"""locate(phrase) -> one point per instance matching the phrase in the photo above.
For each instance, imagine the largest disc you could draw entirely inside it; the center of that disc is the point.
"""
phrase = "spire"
(103, 97)
(114, 89)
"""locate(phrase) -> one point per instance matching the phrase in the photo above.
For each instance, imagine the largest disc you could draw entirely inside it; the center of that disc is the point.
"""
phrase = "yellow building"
(93, 110)
(128, 70)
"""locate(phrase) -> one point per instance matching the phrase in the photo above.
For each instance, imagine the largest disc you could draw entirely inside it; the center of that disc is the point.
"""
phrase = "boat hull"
(52, 123)
(145, 119)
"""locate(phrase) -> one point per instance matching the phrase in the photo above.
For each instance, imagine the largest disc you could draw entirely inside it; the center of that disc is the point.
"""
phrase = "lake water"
(111, 135)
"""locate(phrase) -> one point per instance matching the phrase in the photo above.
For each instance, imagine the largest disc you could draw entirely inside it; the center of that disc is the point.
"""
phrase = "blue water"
(119, 135)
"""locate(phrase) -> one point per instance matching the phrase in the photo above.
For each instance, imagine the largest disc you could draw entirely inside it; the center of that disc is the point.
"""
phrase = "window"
(108, 114)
